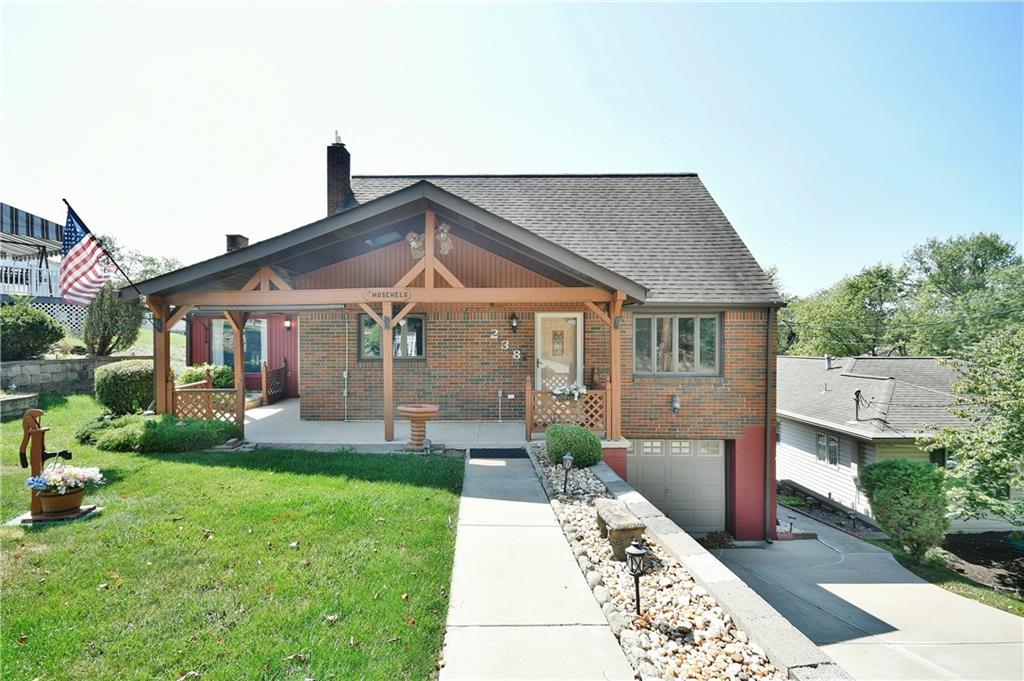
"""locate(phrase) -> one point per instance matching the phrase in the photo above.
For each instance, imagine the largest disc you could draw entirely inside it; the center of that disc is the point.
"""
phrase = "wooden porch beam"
(401, 313)
(599, 312)
(179, 312)
(237, 321)
(614, 429)
(373, 315)
(411, 275)
(299, 297)
(387, 352)
(254, 282)
(277, 280)
(452, 280)
(428, 257)
(162, 388)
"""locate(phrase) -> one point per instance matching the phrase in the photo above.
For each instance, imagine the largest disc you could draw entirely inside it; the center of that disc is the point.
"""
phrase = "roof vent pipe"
(828, 362)
(236, 241)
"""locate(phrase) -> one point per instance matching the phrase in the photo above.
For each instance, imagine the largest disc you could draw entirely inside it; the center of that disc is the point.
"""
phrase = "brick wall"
(463, 370)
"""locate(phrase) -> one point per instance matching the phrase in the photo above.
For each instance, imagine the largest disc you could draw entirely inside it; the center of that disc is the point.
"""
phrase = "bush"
(909, 502)
(165, 434)
(171, 435)
(110, 325)
(125, 387)
(27, 332)
(223, 376)
(584, 446)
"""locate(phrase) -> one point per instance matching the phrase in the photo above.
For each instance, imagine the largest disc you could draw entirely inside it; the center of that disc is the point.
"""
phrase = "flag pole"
(103, 246)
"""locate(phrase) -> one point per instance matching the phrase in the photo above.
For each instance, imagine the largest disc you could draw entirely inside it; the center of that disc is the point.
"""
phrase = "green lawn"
(937, 572)
(192, 565)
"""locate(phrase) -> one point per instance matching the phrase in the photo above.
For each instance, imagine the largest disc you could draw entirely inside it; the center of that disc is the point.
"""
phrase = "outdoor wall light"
(287, 323)
(635, 555)
(567, 464)
(675, 405)
(513, 322)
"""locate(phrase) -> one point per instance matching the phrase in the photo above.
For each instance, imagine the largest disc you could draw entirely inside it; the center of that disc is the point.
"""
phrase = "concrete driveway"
(873, 617)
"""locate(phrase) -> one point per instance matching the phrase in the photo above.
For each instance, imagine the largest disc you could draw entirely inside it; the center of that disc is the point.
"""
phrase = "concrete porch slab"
(279, 423)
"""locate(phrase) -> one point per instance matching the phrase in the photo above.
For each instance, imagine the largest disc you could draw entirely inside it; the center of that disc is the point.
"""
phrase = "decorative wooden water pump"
(33, 433)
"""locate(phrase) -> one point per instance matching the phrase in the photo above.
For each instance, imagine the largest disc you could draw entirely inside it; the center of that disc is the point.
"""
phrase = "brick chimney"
(236, 241)
(339, 176)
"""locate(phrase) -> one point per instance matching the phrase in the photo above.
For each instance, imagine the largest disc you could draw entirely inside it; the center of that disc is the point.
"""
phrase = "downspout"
(769, 474)
(345, 373)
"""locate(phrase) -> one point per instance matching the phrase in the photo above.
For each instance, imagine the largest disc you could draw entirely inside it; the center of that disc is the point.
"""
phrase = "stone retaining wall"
(64, 376)
(14, 406)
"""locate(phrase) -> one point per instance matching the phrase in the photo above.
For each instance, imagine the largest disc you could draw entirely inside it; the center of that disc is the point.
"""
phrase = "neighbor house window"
(821, 447)
(408, 341)
(676, 344)
(222, 343)
(833, 450)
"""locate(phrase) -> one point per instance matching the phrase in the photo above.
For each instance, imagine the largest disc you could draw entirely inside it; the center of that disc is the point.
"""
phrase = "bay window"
(676, 344)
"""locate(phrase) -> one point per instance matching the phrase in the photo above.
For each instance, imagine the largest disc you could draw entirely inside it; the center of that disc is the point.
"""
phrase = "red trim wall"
(282, 344)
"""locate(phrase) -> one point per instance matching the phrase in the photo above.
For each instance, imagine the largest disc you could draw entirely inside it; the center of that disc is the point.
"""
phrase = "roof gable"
(306, 243)
(664, 232)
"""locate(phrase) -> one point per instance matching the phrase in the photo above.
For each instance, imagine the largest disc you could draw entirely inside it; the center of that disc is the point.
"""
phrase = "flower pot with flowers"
(61, 488)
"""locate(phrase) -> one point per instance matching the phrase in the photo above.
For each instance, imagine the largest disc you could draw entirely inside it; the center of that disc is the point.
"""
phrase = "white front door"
(559, 349)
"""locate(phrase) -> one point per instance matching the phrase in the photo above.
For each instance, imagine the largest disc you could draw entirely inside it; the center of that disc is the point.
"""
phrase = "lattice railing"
(544, 409)
(209, 404)
(274, 382)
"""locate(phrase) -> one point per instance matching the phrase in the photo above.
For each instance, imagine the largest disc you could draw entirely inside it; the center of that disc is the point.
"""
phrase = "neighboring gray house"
(838, 415)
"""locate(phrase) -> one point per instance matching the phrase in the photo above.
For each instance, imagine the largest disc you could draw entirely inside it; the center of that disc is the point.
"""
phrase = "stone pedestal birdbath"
(418, 415)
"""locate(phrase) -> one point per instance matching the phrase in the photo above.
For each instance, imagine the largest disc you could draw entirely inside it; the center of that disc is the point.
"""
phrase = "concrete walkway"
(873, 617)
(520, 607)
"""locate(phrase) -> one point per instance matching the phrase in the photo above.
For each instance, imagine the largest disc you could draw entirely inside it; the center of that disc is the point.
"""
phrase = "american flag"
(85, 267)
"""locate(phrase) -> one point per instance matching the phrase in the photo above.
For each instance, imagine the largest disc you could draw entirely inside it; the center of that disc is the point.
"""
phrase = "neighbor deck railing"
(29, 279)
(544, 409)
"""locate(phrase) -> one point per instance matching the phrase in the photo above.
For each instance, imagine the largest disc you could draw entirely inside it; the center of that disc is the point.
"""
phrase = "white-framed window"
(821, 447)
(222, 343)
(676, 344)
(408, 338)
(827, 448)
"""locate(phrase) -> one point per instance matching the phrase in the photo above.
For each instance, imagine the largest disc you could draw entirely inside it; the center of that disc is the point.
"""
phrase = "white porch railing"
(27, 278)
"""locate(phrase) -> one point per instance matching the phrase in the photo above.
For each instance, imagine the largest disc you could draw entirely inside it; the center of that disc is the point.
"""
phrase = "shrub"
(584, 446)
(223, 376)
(125, 387)
(110, 325)
(164, 434)
(27, 332)
(170, 435)
(909, 502)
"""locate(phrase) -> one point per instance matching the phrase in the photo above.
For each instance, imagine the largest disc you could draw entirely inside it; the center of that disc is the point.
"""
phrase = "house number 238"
(506, 345)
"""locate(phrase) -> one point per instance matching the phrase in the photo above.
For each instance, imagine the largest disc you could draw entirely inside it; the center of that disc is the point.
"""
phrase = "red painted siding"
(282, 344)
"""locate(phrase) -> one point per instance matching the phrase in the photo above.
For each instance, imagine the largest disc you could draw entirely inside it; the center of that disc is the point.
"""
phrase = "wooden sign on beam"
(386, 295)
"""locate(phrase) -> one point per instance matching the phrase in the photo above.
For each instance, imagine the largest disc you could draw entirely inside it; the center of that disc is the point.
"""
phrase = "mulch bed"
(830, 515)
(988, 558)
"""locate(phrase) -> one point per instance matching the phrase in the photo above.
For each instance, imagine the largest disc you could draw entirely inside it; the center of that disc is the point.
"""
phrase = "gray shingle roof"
(663, 231)
(903, 397)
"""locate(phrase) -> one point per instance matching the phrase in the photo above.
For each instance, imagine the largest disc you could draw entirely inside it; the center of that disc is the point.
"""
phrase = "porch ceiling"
(379, 223)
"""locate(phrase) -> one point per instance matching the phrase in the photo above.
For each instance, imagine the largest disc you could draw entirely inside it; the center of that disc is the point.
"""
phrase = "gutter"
(769, 473)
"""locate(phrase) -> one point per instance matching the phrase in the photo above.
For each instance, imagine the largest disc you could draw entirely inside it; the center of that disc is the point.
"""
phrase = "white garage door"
(683, 478)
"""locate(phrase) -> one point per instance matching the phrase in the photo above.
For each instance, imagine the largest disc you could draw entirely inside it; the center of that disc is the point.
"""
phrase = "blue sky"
(833, 136)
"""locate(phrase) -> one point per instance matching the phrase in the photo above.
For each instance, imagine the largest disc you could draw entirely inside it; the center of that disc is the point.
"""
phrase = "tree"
(909, 503)
(111, 325)
(988, 453)
(137, 265)
(960, 264)
(856, 316)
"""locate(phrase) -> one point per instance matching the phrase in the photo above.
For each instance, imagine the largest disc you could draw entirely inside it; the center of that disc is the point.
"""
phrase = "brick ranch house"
(494, 290)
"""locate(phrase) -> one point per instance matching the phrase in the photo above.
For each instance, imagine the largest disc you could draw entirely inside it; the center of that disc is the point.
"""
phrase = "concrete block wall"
(64, 376)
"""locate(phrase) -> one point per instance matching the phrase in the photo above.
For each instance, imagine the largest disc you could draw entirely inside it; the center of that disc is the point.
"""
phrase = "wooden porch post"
(162, 357)
(237, 321)
(614, 430)
(528, 394)
(388, 356)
